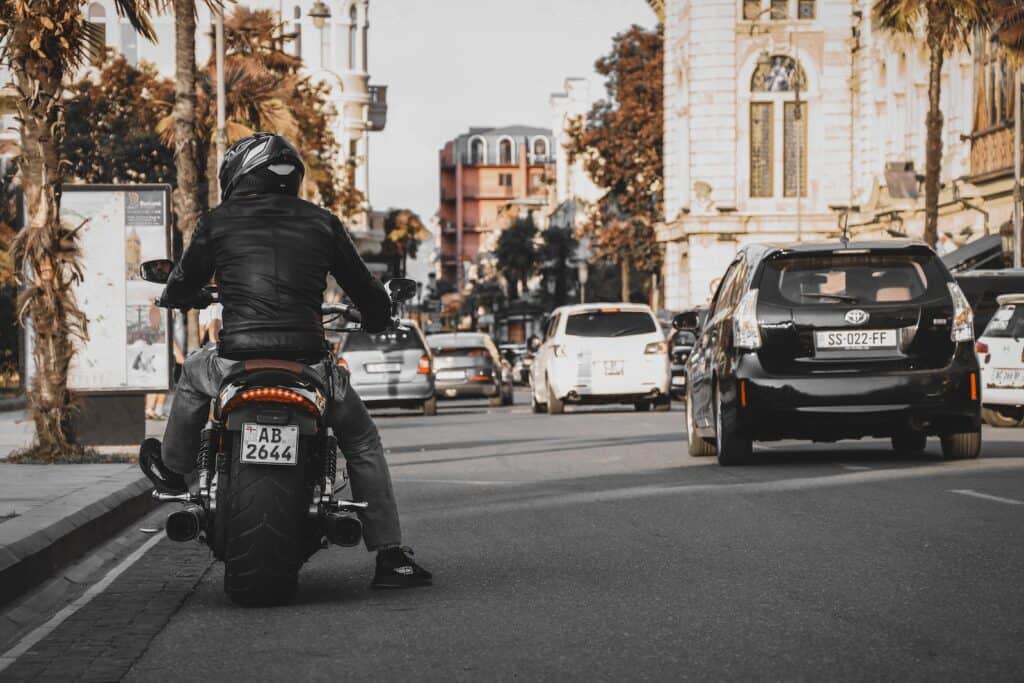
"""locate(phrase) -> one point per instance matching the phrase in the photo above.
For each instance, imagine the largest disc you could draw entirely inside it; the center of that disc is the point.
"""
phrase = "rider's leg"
(200, 380)
(360, 443)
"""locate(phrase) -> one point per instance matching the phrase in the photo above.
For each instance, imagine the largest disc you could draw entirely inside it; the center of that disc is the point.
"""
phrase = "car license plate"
(1006, 378)
(451, 375)
(269, 444)
(383, 367)
(613, 367)
(843, 340)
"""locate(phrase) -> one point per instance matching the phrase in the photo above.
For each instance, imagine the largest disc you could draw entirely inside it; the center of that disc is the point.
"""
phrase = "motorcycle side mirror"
(158, 270)
(401, 288)
(687, 320)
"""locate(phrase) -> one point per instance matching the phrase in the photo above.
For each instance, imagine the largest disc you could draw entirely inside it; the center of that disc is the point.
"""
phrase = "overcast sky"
(452, 64)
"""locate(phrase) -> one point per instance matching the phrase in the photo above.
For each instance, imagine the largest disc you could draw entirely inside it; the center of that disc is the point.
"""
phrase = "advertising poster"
(128, 346)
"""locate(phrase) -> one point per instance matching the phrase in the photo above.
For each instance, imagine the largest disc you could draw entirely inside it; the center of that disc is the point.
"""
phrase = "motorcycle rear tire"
(265, 512)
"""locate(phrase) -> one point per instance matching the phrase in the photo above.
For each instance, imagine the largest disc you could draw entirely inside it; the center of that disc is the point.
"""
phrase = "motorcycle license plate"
(269, 444)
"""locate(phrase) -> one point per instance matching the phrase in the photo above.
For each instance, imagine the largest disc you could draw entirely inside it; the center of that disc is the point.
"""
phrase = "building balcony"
(378, 110)
(992, 152)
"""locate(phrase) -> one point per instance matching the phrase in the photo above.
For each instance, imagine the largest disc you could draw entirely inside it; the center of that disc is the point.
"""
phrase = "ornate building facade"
(783, 117)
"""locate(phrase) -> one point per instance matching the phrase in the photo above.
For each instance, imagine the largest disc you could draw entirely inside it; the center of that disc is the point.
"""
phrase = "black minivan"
(834, 341)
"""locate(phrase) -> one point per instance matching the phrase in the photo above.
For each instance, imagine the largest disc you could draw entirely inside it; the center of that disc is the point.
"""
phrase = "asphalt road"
(588, 546)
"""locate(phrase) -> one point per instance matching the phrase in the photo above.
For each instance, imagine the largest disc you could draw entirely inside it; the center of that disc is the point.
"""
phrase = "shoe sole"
(397, 586)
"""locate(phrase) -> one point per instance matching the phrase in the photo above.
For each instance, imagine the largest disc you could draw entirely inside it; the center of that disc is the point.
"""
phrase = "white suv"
(601, 353)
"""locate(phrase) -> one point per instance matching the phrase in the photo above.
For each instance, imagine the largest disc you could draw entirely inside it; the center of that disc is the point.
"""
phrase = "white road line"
(856, 468)
(40, 632)
(468, 482)
(986, 496)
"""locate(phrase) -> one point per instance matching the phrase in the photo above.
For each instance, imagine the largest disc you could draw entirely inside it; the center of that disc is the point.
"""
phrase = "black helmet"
(257, 152)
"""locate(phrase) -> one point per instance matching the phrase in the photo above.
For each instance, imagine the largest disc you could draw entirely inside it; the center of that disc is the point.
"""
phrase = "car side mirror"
(401, 288)
(158, 270)
(688, 321)
(533, 344)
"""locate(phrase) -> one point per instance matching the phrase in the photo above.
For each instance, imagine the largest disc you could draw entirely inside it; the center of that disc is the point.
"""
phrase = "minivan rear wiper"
(628, 330)
(822, 295)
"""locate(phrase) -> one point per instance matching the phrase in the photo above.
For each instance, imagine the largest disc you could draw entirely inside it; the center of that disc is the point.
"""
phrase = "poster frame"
(26, 349)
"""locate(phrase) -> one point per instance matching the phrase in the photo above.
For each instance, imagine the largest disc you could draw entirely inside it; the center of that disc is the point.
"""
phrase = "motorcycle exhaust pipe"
(185, 524)
(342, 529)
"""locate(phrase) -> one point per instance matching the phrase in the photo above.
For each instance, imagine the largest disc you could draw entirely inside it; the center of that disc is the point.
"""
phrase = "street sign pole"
(1017, 126)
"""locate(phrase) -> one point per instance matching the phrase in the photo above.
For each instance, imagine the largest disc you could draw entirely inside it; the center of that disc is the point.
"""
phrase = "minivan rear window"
(845, 279)
(1007, 322)
(392, 340)
(609, 324)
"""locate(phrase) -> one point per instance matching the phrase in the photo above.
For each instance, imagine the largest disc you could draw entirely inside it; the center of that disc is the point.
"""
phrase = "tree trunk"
(47, 254)
(626, 288)
(186, 194)
(933, 146)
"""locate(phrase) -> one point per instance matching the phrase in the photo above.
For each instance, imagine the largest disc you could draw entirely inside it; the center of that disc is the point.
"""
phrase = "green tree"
(403, 232)
(517, 253)
(620, 143)
(44, 42)
(558, 273)
(944, 26)
(111, 126)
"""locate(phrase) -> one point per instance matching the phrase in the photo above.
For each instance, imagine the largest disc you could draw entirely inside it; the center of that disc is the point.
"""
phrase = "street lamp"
(319, 13)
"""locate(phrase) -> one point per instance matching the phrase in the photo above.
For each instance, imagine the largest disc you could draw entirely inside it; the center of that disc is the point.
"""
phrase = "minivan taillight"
(342, 362)
(963, 316)
(424, 366)
(746, 334)
(981, 347)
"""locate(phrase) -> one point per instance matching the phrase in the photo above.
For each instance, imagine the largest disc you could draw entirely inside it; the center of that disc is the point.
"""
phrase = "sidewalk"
(50, 515)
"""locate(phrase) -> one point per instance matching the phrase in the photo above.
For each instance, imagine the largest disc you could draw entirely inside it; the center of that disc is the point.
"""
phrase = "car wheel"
(698, 447)
(642, 406)
(663, 404)
(555, 405)
(509, 397)
(962, 446)
(997, 418)
(909, 442)
(734, 447)
(429, 406)
(536, 405)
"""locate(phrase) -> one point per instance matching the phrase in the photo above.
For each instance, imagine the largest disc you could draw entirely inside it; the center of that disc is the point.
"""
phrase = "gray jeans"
(357, 435)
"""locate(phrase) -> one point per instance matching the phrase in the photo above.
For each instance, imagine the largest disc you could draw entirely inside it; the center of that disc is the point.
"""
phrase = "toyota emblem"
(857, 317)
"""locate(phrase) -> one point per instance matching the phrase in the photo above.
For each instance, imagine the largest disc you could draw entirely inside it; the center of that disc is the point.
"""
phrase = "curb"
(31, 560)
(13, 403)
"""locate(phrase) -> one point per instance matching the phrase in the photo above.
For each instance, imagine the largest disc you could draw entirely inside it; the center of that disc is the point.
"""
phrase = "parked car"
(393, 369)
(1001, 355)
(468, 365)
(834, 341)
(601, 353)
(680, 345)
(983, 287)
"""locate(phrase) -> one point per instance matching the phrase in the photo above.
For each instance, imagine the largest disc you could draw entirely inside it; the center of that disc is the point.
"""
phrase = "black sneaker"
(165, 480)
(396, 569)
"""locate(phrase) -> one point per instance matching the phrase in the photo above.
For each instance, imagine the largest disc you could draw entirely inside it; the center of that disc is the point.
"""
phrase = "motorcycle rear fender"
(272, 414)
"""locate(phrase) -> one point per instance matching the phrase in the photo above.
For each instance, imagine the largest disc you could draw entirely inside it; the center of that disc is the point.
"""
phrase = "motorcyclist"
(270, 253)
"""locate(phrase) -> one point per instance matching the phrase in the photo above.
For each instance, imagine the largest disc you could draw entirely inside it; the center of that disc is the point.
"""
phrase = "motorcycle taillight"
(271, 395)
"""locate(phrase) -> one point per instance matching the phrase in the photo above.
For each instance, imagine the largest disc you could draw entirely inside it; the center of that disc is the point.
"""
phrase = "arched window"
(297, 30)
(777, 88)
(540, 148)
(353, 28)
(477, 151)
(505, 151)
(97, 20)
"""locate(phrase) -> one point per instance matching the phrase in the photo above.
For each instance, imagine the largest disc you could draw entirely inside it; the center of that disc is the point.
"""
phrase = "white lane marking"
(560, 499)
(468, 482)
(986, 496)
(40, 632)
(856, 468)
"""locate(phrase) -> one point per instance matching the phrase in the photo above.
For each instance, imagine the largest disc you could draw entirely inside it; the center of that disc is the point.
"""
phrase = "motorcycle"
(265, 497)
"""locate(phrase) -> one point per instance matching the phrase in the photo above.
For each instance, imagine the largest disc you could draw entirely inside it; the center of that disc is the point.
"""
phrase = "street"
(589, 546)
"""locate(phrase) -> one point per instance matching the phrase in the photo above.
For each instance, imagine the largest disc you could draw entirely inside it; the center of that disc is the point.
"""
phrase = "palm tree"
(44, 42)
(945, 26)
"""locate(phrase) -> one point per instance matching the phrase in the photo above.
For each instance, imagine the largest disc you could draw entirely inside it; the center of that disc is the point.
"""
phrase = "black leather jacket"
(271, 254)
